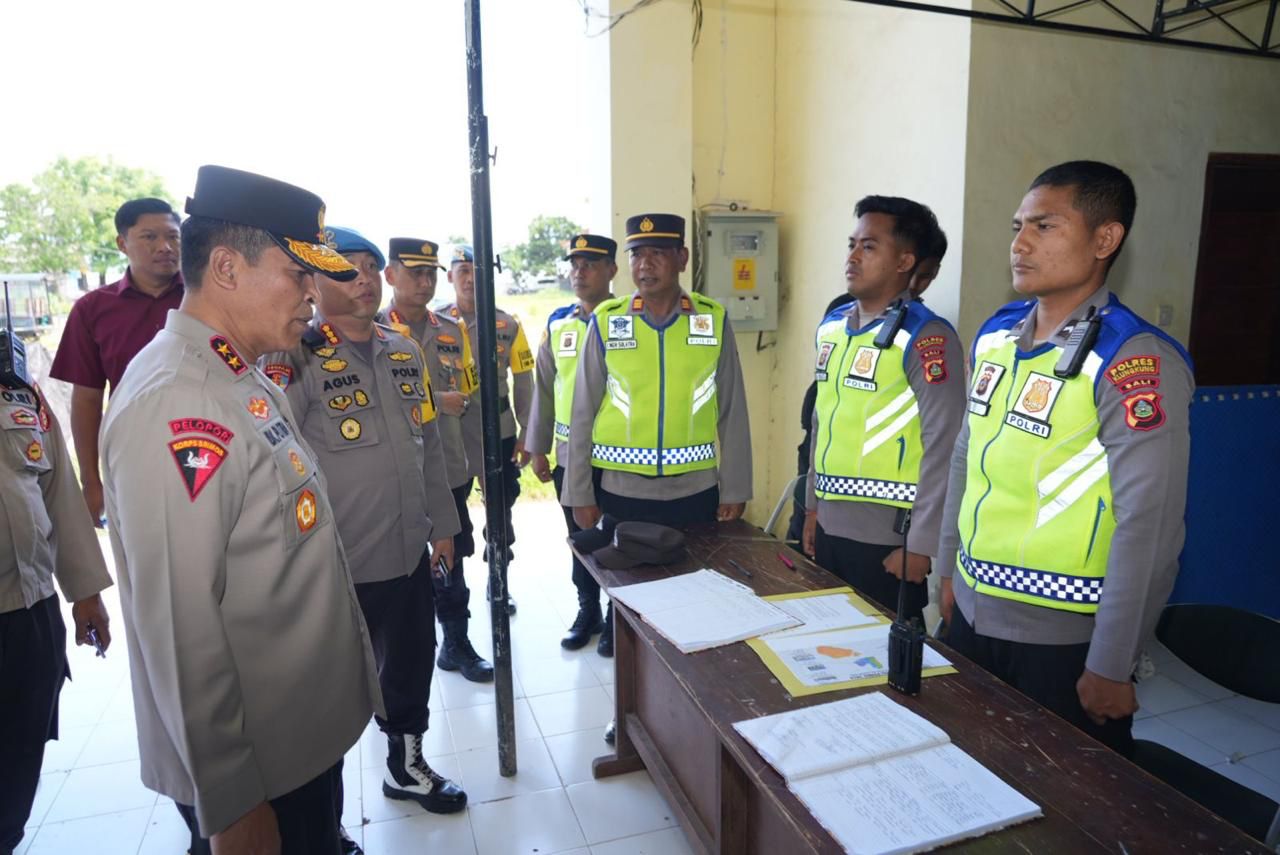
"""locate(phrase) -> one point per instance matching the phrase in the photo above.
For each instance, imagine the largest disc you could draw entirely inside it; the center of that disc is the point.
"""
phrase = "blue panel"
(1231, 556)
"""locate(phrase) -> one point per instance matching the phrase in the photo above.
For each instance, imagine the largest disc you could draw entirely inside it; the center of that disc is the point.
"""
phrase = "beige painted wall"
(1039, 98)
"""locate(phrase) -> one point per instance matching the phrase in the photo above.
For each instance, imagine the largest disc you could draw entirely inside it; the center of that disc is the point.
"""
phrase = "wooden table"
(675, 715)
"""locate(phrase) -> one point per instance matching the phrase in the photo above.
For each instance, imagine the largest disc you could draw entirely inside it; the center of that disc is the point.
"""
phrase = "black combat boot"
(588, 622)
(605, 645)
(457, 654)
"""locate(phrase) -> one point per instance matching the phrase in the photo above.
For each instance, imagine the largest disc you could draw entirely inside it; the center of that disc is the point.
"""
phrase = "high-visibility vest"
(566, 332)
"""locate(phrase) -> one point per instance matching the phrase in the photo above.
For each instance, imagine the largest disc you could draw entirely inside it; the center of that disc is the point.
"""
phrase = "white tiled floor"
(90, 799)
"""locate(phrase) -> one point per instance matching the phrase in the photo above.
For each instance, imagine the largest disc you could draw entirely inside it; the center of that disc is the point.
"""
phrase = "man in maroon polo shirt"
(108, 326)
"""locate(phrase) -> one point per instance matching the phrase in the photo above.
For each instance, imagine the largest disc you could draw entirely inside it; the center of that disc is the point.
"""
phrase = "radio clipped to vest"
(13, 356)
(1079, 344)
(906, 636)
(893, 321)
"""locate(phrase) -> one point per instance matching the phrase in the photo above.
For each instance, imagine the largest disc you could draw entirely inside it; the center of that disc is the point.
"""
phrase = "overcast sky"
(362, 102)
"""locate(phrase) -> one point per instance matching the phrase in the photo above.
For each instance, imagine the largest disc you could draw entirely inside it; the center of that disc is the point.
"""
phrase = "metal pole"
(494, 492)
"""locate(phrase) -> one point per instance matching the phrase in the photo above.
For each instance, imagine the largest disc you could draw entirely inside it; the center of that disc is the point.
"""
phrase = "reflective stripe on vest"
(659, 413)
(565, 336)
(868, 446)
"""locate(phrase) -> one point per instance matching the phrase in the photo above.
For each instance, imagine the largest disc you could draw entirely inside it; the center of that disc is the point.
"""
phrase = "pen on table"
(743, 570)
(790, 565)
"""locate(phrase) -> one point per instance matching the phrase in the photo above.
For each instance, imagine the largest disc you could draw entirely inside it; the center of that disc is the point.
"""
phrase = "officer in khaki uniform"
(251, 665)
(1064, 513)
(362, 395)
(593, 266)
(659, 407)
(513, 354)
(45, 534)
(886, 413)
(446, 346)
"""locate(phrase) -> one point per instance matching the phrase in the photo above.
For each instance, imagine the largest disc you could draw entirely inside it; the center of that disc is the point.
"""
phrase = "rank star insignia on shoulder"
(224, 351)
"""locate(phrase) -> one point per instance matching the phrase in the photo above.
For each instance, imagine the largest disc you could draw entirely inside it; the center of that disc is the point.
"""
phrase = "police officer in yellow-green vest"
(592, 260)
(1063, 519)
(889, 404)
(659, 407)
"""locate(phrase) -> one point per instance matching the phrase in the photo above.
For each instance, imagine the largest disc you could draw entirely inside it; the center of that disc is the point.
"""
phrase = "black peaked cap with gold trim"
(666, 230)
(592, 246)
(293, 217)
(415, 252)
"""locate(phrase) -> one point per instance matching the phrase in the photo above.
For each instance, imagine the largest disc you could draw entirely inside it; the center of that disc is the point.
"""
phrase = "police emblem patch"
(621, 327)
(863, 370)
(305, 510)
(198, 459)
(415, 415)
(1035, 404)
(259, 409)
(350, 429)
(279, 373)
(1036, 398)
(568, 343)
(399, 356)
(406, 390)
(824, 355)
(935, 370)
(296, 461)
(340, 402)
(333, 366)
(35, 451)
(702, 325)
(324, 352)
(1143, 411)
(986, 379)
(362, 399)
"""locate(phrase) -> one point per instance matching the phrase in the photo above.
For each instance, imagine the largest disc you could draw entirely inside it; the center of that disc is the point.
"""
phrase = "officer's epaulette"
(313, 337)
(562, 312)
(611, 304)
(387, 329)
(704, 301)
(433, 318)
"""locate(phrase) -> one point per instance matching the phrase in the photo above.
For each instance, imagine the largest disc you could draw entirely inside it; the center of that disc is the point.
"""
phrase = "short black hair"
(128, 214)
(201, 235)
(936, 246)
(913, 223)
(1103, 193)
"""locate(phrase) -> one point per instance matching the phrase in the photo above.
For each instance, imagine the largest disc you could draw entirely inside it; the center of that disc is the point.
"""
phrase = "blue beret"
(349, 240)
(463, 252)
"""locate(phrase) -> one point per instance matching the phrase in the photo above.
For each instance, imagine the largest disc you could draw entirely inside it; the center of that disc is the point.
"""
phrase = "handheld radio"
(906, 637)
(1083, 336)
(13, 355)
(893, 321)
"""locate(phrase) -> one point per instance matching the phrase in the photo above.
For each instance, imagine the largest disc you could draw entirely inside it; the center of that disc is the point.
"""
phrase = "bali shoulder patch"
(197, 459)
(1135, 372)
(1142, 411)
(935, 370)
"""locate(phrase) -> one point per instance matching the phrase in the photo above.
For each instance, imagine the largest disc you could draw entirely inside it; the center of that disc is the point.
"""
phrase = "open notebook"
(881, 779)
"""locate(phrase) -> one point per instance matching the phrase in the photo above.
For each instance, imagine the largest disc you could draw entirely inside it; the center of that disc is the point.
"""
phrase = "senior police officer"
(886, 413)
(446, 346)
(251, 666)
(513, 354)
(1064, 515)
(45, 534)
(361, 393)
(592, 268)
(658, 402)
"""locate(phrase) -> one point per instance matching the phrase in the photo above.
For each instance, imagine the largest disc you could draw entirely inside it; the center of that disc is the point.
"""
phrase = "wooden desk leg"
(624, 757)
(734, 789)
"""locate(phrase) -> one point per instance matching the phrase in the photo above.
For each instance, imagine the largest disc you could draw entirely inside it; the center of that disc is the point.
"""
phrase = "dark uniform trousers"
(861, 566)
(307, 817)
(700, 507)
(401, 616)
(452, 599)
(588, 587)
(1046, 673)
(33, 664)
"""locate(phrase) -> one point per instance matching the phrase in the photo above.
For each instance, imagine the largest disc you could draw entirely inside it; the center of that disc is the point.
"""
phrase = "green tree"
(65, 220)
(548, 239)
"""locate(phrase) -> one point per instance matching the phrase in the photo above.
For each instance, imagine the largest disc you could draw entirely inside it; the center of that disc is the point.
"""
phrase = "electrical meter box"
(741, 266)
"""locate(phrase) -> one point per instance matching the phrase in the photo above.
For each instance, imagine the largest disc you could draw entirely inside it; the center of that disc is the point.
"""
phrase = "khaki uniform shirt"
(513, 353)
(373, 429)
(45, 531)
(250, 661)
(446, 346)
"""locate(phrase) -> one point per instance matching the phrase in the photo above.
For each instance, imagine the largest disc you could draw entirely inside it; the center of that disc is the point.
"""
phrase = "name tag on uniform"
(1035, 403)
(985, 381)
(863, 370)
(697, 339)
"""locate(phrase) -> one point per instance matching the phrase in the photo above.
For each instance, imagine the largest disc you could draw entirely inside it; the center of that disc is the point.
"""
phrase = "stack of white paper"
(882, 779)
(700, 610)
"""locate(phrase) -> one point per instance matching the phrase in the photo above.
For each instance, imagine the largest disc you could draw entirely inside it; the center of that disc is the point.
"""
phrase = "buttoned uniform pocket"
(24, 443)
